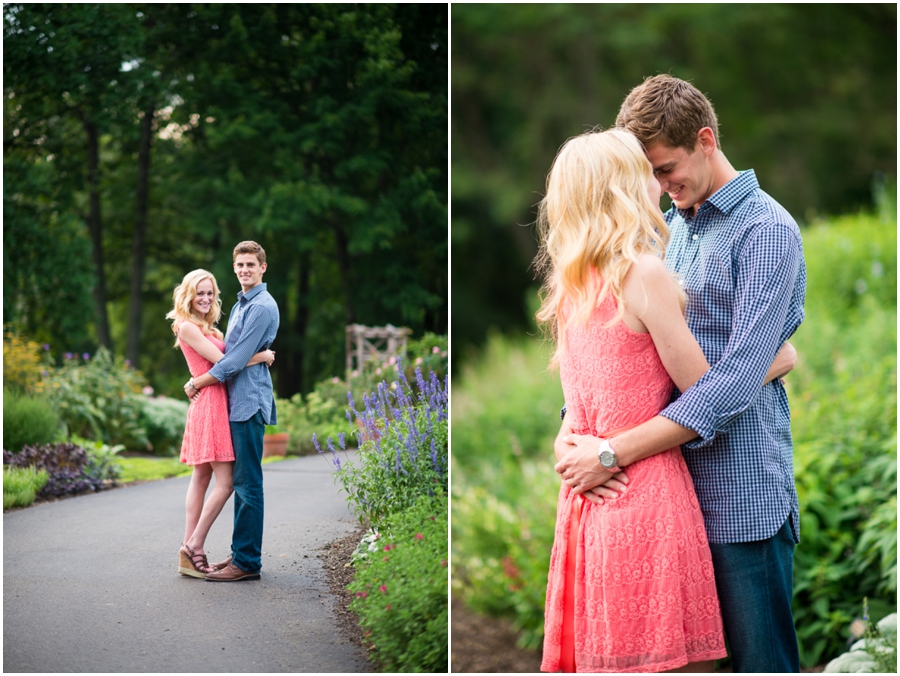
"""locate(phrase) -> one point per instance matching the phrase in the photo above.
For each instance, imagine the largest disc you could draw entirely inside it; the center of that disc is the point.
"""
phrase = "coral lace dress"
(207, 434)
(631, 585)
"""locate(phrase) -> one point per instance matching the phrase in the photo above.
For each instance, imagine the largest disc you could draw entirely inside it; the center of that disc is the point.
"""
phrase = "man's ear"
(707, 140)
(263, 266)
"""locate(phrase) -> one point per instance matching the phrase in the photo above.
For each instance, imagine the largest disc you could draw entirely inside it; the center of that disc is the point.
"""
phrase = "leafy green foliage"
(323, 411)
(401, 590)
(402, 447)
(163, 418)
(21, 484)
(843, 400)
(70, 468)
(100, 398)
(27, 421)
(844, 404)
(302, 417)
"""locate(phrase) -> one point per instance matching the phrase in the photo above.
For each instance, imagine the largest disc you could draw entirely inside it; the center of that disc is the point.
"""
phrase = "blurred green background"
(806, 96)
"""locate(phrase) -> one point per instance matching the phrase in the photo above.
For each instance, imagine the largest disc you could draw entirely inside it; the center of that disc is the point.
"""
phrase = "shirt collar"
(252, 293)
(729, 195)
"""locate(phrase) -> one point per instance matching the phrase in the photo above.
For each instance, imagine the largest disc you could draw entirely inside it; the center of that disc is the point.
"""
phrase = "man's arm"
(256, 323)
(769, 265)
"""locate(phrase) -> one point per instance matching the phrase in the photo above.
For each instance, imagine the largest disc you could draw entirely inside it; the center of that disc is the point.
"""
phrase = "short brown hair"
(664, 109)
(249, 247)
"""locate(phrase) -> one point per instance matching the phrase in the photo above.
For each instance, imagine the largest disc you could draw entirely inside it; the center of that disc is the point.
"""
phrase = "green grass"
(150, 469)
(20, 486)
(153, 469)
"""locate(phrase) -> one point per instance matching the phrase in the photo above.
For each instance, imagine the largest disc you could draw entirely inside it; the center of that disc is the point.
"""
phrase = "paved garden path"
(90, 584)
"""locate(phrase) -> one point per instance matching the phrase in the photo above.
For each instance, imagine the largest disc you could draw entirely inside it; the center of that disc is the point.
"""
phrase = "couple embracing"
(677, 516)
(231, 403)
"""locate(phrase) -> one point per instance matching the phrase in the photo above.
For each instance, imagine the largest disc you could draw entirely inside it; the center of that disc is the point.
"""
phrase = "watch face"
(608, 459)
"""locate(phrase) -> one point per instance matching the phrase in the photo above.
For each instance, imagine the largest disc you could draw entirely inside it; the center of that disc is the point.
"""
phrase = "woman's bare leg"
(212, 508)
(706, 667)
(195, 496)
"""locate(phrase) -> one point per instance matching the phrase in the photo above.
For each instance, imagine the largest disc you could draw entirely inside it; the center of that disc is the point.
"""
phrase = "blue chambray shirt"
(741, 260)
(252, 326)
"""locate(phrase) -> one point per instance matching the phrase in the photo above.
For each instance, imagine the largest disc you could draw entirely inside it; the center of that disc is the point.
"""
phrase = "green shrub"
(402, 448)
(163, 419)
(70, 468)
(401, 590)
(24, 363)
(302, 417)
(323, 411)
(27, 421)
(100, 398)
(21, 484)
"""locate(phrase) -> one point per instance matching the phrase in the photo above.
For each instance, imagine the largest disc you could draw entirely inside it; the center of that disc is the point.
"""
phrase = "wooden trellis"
(367, 343)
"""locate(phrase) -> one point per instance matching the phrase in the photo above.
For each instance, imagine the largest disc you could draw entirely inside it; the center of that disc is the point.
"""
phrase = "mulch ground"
(335, 558)
(482, 644)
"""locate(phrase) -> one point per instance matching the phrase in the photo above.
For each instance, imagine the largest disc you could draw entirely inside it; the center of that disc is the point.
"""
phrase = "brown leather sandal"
(193, 564)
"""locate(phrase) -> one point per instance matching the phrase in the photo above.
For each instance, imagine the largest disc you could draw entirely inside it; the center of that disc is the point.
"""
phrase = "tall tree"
(67, 60)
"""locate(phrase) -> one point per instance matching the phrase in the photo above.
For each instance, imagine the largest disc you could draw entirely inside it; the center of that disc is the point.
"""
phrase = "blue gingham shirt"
(741, 261)
(252, 326)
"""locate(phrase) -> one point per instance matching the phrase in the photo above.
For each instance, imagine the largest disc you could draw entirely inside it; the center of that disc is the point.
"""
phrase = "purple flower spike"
(86, 356)
(46, 346)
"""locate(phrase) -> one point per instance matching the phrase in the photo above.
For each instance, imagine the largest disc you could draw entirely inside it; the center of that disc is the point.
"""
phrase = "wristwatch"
(607, 457)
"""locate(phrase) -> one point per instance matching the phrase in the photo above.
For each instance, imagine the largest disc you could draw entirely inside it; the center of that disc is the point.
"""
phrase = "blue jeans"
(246, 540)
(755, 585)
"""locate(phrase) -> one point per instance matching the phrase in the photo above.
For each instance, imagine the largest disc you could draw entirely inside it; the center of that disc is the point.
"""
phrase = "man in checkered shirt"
(739, 256)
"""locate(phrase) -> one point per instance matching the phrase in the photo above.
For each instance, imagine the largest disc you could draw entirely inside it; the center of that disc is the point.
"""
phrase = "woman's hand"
(579, 467)
(268, 357)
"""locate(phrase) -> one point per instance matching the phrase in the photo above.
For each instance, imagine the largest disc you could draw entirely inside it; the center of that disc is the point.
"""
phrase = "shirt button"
(694, 237)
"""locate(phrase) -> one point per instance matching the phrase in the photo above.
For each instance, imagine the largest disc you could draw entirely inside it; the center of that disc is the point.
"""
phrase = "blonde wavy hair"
(182, 310)
(596, 217)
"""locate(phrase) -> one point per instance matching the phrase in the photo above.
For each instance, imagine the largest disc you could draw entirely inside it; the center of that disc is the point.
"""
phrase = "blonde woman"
(207, 435)
(631, 585)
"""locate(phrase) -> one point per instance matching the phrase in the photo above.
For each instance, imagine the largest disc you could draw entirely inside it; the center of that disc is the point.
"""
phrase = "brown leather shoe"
(222, 564)
(231, 573)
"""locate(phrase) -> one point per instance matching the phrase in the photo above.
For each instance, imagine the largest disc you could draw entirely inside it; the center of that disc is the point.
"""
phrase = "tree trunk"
(343, 262)
(95, 226)
(138, 242)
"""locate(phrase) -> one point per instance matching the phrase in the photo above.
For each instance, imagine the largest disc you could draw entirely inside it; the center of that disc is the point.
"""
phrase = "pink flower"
(388, 606)
(147, 390)
(362, 594)
(443, 562)
(419, 536)
(435, 349)
(383, 589)
(335, 380)
(392, 361)
(378, 370)
(418, 360)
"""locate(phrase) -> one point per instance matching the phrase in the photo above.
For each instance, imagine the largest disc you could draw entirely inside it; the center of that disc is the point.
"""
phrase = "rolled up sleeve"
(764, 283)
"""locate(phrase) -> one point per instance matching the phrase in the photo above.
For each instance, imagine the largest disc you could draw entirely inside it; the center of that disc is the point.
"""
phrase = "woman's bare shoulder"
(187, 329)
